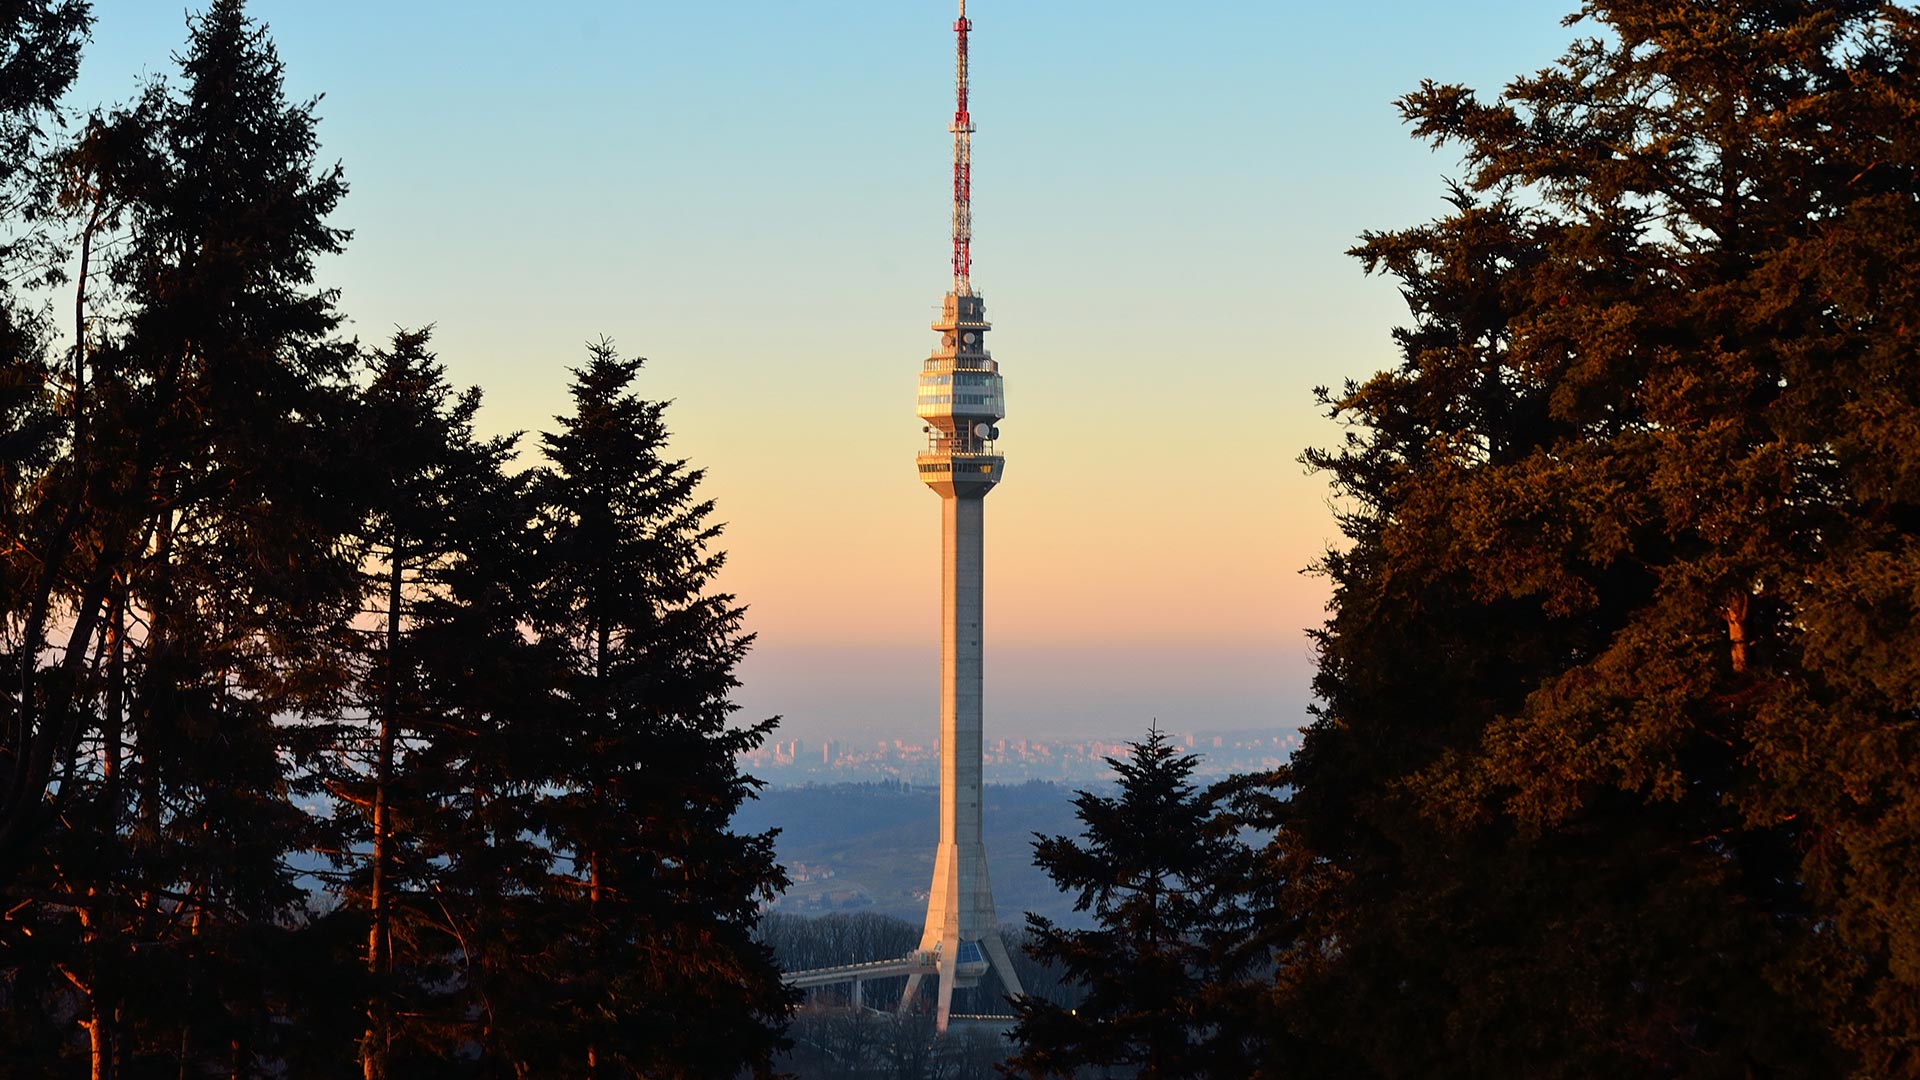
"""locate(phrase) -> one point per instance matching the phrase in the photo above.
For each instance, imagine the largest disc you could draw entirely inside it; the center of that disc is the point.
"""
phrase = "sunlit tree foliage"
(1618, 767)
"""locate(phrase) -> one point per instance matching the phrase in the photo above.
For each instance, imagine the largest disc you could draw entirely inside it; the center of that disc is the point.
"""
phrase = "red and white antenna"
(962, 129)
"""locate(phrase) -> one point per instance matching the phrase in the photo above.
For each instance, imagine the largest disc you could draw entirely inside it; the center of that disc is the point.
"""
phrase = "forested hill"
(877, 840)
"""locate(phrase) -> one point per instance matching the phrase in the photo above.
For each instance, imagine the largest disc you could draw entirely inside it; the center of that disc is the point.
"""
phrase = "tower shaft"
(961, 927)
(962, 674)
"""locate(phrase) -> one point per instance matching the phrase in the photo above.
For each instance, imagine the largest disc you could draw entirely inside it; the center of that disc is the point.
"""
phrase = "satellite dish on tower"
(983, 430)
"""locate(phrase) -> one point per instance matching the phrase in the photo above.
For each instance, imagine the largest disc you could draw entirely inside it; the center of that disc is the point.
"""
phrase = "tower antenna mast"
(962, 129)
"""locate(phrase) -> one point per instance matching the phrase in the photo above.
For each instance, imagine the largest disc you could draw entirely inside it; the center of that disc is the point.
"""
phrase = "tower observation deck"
(962, 400)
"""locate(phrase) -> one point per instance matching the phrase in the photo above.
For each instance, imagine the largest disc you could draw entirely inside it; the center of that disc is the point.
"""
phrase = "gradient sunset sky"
(754, 195)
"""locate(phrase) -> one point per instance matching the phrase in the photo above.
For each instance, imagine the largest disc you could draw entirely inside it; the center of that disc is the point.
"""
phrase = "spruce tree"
(1160, 865)
(194, 545)
(480, 912)
(442, 525)
(1615, 772)
(666, 979)
(40, 45)
(40, 403)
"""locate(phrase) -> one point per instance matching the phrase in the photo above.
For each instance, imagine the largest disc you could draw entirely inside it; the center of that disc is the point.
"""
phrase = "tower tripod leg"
(944, 997)
(906, 996)
(997, 955)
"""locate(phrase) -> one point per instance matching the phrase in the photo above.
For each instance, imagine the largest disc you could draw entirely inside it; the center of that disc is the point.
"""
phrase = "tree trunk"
(186, 1031)
(116, 717)
(1736, 616)
(159, 643)
(107, 927)
(99, 1054)
(373, 1055)
(603, 640)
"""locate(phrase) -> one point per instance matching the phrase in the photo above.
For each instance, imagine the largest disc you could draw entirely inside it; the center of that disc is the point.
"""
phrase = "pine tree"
(195, 549)
(40, 45)
(1617, 757)
(1161, 866)
(481, 913)
(667, 979)
(443, 521)
(529, 762)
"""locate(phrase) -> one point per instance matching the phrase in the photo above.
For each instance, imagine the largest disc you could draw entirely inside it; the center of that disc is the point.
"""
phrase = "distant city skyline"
(752, 195)
(1011, 760)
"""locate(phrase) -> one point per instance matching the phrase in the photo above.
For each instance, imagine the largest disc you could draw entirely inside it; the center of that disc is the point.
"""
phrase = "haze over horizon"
(754, 196)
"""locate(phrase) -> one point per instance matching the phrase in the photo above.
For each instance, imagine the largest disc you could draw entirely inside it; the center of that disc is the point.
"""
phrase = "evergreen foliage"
(40, 43)
(1616, 772)
(1162, 867)
(670, 981)
(333, 745)
(446, 554)
(185, 532)
(39, 53)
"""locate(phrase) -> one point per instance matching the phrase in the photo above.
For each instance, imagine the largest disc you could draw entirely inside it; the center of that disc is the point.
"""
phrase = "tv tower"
(961, 401)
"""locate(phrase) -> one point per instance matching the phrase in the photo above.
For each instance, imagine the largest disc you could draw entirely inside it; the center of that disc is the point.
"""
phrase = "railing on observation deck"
(983, 362)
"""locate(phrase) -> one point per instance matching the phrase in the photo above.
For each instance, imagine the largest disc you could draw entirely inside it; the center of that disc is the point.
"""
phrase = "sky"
(755, 197)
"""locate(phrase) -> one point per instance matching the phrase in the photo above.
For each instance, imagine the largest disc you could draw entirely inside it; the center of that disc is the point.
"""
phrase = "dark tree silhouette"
(443, 526)
(40, 404)
(185, 537)
(1616, 772)
(40, 43)
(326, 744)
(1160, 865)
(668, 980)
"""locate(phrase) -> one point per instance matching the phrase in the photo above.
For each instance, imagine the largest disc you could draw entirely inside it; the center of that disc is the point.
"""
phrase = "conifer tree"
(529, 761)
(192, 540)
(40, 43)
(480, 912)
(443, 521)
(1160, 864)
(667, 979)
(1616, 770)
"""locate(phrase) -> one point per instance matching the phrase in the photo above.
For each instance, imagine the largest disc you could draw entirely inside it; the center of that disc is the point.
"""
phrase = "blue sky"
(754, 196)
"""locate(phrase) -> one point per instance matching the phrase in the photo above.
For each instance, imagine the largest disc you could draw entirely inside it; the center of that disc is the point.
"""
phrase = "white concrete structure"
(858, 975)
(962, 400)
